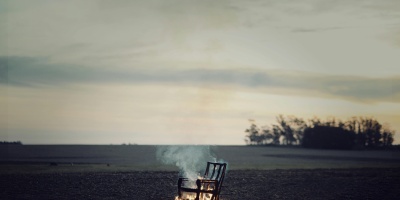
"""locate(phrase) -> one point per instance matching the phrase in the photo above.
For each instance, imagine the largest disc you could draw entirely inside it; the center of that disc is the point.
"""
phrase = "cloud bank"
(37, 72)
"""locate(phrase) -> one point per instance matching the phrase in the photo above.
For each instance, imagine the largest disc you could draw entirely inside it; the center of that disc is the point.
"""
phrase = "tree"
(298, 125)
(314, 122)
(285, 130)
(371, 128)
(387, 136)
(253, 134)
(357, 132)
(328, 137)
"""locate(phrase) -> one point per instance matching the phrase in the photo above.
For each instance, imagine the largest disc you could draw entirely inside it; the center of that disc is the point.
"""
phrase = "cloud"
(319, 15)
(303, 30)
(36, 72)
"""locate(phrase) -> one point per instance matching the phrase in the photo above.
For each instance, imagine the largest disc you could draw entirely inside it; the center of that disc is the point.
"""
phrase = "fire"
(202, 196)
(191, 196)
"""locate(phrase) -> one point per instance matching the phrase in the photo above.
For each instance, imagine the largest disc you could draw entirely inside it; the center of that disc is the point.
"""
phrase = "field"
(133, 172)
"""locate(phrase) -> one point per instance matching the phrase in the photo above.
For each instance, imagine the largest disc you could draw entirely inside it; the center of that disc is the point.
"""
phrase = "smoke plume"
(191, 160)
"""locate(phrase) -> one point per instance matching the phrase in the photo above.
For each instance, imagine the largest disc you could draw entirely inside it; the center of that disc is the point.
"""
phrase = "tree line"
(332, 133)
(11, 142)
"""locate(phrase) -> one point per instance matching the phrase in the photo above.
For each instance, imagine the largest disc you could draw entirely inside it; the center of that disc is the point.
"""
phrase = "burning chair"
(207, 187)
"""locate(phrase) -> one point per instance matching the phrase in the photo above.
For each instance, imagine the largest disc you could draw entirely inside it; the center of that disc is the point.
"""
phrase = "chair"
(207, 187)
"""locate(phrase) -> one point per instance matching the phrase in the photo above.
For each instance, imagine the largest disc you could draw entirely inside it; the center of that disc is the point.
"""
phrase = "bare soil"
(369, 183)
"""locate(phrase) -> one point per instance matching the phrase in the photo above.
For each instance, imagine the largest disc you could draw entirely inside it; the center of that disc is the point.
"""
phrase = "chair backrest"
(215, 171)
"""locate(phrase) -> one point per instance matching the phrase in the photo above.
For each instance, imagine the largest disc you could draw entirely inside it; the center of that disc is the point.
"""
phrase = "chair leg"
(215, 197)
(179, 188)
(198, 189)
(180, 194)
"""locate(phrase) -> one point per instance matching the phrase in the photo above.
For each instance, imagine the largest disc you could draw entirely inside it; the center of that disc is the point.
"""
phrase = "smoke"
(191, 160)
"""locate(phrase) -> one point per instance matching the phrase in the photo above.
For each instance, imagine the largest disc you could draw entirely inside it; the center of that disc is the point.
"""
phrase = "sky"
(191, 72)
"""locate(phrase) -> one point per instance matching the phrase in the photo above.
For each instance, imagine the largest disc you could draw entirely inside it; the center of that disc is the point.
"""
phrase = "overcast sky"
(191, 72)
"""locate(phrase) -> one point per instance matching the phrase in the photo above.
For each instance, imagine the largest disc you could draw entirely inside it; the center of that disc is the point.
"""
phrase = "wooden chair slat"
(218, 169)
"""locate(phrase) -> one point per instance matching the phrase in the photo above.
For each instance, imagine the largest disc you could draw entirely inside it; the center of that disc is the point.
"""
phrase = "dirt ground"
(372, 183)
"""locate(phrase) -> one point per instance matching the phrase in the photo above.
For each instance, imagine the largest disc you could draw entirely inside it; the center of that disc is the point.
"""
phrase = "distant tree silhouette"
(274, 135)
(369, 132)
(314, 122)
(11, 142)
(328, 137)
(286, 130)
(261, 136)
(372, 130)
(253, 134)
(298, 125)
(357, 132)
(387, 136)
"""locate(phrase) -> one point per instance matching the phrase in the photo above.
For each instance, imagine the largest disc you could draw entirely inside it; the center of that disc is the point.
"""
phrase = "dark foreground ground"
(372, 183)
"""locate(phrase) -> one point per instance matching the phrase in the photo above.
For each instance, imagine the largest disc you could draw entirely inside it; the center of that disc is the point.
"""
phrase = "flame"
(191, 196)
(203, 196)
